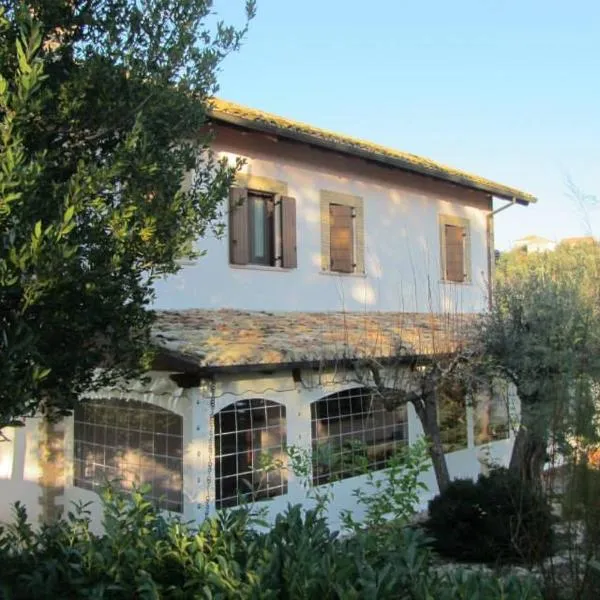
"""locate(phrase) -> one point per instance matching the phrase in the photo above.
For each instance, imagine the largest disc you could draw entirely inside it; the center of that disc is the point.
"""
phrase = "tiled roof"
(227, 338)
(230, 112)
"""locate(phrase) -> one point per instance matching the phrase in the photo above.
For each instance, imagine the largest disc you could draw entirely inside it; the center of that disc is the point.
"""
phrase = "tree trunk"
(528, 455)
(427, 413)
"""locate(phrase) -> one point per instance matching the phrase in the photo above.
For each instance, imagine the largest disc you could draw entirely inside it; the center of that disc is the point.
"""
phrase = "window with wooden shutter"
(455, 252)
(342, 233)
(454, 233)
(341, 238)
(289, 257)
(262, 228)
(239, 246)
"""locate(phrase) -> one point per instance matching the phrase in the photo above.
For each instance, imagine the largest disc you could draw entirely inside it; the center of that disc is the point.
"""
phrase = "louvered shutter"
(341, 238)
(239, 245)
(289, 258)
(455, 252)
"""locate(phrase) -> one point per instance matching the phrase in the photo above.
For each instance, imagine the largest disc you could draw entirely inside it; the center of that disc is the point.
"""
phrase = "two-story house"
(336, 250)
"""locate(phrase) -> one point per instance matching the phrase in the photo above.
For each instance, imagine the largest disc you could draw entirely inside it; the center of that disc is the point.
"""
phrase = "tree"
(102, 114)
(542, 334)
(439, 370)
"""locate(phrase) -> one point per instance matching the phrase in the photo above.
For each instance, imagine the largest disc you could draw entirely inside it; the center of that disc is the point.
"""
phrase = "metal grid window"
(352, 431)
(250, 439)
(130, 443)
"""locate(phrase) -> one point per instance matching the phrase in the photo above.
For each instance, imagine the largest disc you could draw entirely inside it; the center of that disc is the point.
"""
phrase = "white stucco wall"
(20, 470)
(402, 240)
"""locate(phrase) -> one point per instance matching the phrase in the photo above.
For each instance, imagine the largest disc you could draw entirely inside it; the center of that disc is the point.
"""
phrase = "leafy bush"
(391, 494)
(144, 555)
(499, 519)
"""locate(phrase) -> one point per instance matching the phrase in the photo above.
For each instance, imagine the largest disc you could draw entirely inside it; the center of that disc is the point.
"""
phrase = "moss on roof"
(226, 111)
(226, 337)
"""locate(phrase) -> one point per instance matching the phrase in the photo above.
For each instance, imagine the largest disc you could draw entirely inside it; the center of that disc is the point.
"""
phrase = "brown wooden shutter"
(289, 255)
(239, 244)
(455, 252)
(341, 239)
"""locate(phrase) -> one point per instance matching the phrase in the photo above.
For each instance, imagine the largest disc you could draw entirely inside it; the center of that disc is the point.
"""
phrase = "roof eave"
(501, 192)
(175, 362)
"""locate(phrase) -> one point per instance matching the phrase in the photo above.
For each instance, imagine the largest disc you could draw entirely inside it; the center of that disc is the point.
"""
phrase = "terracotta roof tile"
(220, 338)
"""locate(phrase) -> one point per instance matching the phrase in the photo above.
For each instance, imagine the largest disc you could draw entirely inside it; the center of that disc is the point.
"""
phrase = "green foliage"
(543, 334)
(391, 495)
(498, 519)
(102, 114)
(144, 555)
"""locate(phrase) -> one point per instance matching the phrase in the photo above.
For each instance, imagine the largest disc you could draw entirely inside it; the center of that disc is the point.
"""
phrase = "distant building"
(575, 241)
(535, 243)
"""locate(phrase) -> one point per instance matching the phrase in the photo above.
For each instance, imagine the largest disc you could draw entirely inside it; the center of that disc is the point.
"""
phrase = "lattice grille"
(130, 443)
(352, 432)
(249, 434)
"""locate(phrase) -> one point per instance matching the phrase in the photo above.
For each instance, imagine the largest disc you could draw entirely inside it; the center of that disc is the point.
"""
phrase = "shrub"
(498, 518)
(143, 555)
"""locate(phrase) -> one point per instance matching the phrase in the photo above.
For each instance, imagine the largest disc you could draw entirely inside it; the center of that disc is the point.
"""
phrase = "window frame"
(356, 203)
(248, 452)
(282, 246)
(456, 402)
(454, 221)
(131, 427)
(270, 224)
(374, 421)
(490, 402)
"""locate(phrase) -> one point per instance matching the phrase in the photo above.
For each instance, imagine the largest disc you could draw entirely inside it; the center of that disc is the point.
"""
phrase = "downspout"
(490, 244)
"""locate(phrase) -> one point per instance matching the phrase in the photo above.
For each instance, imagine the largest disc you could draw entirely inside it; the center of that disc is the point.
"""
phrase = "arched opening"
(129, 443)
(353, 432)
(250, 439)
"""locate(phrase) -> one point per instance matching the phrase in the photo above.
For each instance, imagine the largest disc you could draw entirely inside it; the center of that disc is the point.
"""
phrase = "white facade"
(402, 253)
(535, 243)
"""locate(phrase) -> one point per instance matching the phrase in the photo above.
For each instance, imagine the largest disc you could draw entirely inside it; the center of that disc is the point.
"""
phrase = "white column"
(199, 452)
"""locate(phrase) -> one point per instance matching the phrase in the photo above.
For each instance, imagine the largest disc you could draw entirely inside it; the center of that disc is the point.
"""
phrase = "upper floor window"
(455, 246)
(262, 228)
(129, 443)
(342, 233)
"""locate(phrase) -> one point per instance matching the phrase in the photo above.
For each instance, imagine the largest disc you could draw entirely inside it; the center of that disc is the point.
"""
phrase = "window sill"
(261, 268)
(340, 274)
(460, 283)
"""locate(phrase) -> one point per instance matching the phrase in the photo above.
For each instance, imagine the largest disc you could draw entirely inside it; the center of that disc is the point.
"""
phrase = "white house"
(336, 250)
(535, 243)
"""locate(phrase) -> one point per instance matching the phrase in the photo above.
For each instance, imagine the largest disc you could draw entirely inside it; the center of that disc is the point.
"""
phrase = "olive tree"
(103, 109)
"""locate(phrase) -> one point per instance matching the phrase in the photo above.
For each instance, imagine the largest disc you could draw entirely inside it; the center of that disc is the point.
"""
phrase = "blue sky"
(507, 89)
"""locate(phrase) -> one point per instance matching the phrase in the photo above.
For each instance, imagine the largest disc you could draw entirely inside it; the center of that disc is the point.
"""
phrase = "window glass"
(250, 438)
(262, 229)
(452, 418)
(352, 432)
(129, 443)
(492, 414)
(259, 233)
